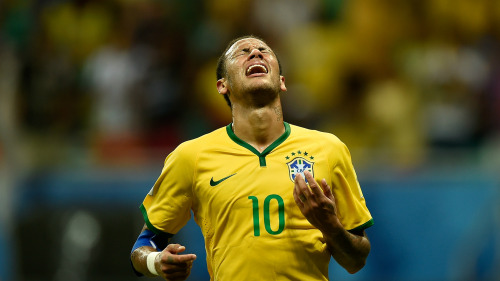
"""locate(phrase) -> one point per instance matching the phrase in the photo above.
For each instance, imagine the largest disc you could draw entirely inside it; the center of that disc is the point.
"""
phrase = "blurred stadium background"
(94, 94)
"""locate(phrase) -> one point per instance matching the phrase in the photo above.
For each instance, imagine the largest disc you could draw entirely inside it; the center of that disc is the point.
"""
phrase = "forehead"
(246, 43)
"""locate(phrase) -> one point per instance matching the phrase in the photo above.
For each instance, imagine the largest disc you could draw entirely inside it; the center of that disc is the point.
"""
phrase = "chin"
(262, 96)
(261, 85)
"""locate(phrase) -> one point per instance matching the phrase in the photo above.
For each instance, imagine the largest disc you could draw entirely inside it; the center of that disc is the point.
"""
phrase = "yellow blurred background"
(97, 93)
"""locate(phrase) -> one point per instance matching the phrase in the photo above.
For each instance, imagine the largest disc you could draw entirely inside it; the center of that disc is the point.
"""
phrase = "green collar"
(262, 156)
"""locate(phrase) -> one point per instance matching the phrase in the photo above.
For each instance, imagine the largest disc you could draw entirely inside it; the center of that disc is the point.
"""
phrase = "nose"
(256, 53)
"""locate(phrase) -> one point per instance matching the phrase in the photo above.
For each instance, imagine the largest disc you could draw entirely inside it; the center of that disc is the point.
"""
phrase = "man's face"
(252, 66)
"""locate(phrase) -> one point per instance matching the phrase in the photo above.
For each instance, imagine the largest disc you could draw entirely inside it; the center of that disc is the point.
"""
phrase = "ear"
(282, 83)
(222, 86)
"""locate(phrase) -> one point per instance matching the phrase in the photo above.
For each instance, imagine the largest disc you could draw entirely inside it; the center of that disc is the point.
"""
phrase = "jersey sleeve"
(166, 208)
(351, 206)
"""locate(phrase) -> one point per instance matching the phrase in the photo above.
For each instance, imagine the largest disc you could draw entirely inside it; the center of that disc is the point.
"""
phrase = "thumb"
(175, 248)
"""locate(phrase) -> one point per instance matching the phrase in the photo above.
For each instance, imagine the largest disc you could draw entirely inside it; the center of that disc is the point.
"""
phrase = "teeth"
(249, 70)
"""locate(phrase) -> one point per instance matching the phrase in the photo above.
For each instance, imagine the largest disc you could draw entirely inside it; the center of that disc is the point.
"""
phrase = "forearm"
(139, 260)
(348, 249)
(317, 204)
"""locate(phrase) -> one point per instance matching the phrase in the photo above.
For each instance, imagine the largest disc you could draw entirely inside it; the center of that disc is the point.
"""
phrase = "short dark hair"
(221, 63)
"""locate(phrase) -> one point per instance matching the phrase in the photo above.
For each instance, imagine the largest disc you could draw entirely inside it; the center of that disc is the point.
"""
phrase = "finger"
(298, 190)
(180, 249)
(296, 197)
(313, 185)
(178, 262)
(174, 248)
(326, 189)
(173, 272)
(302, 186)
(171, 256)
(180, 259)
(302, 198)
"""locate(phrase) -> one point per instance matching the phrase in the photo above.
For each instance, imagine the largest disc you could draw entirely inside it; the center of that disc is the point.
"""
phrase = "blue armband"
(149, 238)
(144, 239)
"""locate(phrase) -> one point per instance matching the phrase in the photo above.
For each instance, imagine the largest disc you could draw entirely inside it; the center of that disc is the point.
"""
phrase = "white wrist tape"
(150, 261)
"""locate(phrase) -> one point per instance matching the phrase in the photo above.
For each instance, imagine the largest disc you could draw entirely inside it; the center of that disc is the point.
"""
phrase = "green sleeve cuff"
(363, 226)
(151, 226)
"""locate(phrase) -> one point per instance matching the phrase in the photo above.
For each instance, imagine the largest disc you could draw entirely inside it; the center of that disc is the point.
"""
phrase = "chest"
(232, 180)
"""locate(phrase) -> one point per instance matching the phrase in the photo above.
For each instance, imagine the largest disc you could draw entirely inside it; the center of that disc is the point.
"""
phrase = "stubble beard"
(261, 95)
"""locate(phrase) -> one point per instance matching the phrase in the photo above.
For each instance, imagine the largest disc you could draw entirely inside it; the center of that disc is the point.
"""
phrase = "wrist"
(151, 262)
(332, 227)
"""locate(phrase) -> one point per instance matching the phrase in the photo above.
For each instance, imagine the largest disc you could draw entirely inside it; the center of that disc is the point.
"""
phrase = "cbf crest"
(301, 162)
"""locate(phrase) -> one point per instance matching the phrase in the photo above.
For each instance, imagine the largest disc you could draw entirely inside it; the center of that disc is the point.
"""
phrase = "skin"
(317, 204)
(255, 100)
(171, 265)
(258, 120)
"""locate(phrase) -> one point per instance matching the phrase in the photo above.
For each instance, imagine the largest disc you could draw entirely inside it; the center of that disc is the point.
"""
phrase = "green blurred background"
(95, 94)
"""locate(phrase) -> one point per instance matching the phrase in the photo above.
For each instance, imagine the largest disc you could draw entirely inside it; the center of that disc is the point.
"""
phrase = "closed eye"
(245, 51)
(242, 52)
(261, 49)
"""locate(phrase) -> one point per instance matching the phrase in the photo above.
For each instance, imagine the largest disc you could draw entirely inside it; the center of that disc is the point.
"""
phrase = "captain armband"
(144, 239)
(149, 238)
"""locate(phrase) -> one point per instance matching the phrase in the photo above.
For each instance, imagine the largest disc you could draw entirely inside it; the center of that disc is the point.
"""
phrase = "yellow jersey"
(243, 202)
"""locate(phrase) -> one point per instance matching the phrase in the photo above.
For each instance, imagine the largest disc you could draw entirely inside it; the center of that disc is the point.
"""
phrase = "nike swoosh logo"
(214, 183)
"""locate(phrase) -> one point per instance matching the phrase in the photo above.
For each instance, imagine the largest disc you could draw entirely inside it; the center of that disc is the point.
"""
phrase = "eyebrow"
(247, 49)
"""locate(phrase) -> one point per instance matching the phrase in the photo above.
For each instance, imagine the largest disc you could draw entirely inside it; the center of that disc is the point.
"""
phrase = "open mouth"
(256, 69)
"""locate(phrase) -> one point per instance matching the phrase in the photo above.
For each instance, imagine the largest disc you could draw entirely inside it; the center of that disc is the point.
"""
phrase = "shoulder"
(333, 147)
(320, 137)
(194, 146)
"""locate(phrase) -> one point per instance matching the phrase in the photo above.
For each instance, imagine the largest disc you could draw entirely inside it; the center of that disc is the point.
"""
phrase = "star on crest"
(298, 162)
(299, 153)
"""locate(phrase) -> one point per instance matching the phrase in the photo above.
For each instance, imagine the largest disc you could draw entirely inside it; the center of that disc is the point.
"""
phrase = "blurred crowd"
(121, 82)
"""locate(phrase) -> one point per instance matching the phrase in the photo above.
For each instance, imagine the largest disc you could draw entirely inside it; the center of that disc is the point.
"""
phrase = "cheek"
(233, 73)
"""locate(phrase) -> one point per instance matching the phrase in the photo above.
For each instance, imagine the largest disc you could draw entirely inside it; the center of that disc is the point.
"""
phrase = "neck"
(259, 127)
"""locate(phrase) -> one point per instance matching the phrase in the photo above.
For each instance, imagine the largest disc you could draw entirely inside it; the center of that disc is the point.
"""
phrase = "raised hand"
(171, 265)
(316, 203)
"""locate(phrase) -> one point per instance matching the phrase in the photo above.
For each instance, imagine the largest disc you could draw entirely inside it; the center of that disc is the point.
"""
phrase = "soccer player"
(274, 201)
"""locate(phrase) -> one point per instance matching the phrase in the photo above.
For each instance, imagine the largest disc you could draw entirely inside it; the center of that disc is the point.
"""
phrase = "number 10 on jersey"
(267, 214)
